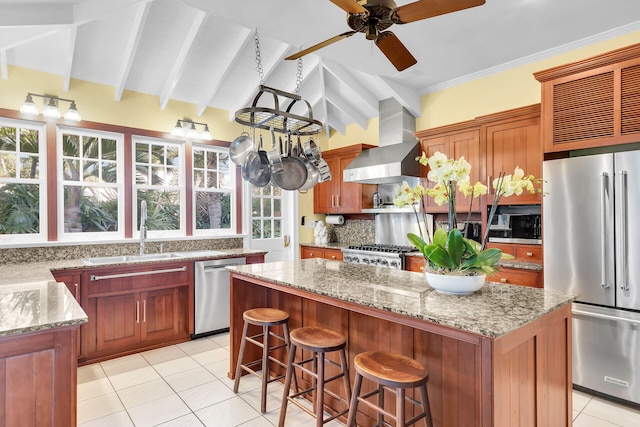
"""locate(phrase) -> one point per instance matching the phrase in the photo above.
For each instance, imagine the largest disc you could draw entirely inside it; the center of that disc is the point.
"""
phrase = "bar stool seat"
(319, 341)
(266, 318)
(395, 373)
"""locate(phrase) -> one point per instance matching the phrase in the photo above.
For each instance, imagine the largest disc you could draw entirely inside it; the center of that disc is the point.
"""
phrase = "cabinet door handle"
(504, 280)
(76, 288)
(338, 201)
(333, 201)
(529, 253)
(144, 311)
(421, 268)
(137, 311)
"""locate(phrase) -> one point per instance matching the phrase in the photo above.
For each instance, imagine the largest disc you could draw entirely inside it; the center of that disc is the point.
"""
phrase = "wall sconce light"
(186, 127)
(50, 107)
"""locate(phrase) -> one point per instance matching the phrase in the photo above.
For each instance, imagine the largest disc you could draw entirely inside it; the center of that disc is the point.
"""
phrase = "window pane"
(212, 160)
(256, 230)
(255, 207)
(163, 209)
(71, 145)
(29, 167)
(198, 158)
(266, 207)
(90, 147)
(277, 225)
(8, 139)
(88, 209)
(109, 172)
(7, 165)
(109, 149)
(71, 169)
(173, 155)
(212, 180)
(19, 208)
(28, 140)
(277, 210)
(198, 179)
(213, 211)
(91, 172)
(157, 154)
(266, 232)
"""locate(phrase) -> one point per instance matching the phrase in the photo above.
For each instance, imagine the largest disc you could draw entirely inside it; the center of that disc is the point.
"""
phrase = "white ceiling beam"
(324, 100)
(178, 64)
(3, 64)
(268, 68)
(30, 39)
(408, 97)
(343, 105)
(309, 65)
(341, 73)
(91, 10)
(224, 66)
(20, 14)
(129, 54)
(336, 123)
(71, 47)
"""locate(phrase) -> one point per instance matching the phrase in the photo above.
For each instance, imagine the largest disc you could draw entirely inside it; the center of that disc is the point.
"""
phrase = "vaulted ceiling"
(203, 51)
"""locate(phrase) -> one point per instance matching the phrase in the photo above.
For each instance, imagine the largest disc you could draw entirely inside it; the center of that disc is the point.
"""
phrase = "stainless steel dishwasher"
(211, 295)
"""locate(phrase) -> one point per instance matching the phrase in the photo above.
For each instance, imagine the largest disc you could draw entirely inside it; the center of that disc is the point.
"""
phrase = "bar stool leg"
(243, 344)
(287, 384)
(353, 405)
(381, 405)
(400, 416)
(345, 371)
(426, 407)
(287, 341)
(265, 368)
(319, 399)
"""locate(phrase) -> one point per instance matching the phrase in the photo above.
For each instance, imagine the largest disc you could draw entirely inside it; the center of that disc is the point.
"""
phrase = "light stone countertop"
(495, 310)
(31, 299)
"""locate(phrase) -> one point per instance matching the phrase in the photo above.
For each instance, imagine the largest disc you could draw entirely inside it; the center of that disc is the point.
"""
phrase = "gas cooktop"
(391, 249)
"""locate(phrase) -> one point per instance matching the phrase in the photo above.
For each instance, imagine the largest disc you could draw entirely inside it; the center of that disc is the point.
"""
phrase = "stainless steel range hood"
(395, 159)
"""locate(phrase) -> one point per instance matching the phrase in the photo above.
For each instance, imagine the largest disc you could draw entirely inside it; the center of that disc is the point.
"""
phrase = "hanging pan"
(294, 172)
(255, 167)
(240, 147)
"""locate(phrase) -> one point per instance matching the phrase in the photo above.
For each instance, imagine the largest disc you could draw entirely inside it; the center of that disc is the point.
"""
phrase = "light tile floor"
(186, 385)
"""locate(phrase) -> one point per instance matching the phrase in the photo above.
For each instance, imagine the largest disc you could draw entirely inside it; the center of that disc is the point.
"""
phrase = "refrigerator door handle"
(604, 180)
(622, 215)
(605, 317)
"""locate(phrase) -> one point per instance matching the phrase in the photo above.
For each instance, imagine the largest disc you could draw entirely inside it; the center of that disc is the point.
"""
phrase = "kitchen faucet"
(143, 225)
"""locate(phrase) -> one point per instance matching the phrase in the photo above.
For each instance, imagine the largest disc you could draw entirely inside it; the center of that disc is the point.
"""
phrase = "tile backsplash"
(63, 252)
(353, 232)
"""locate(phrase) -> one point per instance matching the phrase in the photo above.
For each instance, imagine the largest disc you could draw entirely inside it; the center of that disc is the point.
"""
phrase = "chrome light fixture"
(50, 107)
(187, 128)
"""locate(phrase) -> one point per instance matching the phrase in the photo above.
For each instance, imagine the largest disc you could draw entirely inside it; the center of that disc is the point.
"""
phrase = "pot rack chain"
(260, 70)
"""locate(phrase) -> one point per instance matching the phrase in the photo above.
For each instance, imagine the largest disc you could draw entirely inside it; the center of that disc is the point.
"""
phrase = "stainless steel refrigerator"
(591, 237)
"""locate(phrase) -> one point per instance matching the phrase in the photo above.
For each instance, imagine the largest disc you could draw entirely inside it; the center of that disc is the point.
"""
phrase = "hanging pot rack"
(282, 121)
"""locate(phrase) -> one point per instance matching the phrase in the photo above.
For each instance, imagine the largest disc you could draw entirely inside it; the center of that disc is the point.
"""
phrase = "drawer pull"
(529, 253)
(311, 253)
(504, 280)
(421, 268)
(138, 273)
(333, 257)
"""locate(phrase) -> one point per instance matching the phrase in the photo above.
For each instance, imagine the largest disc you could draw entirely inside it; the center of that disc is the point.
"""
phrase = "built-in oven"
(516, 224)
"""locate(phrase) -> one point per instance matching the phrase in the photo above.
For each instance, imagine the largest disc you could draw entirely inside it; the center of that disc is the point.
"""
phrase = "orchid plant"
(450, 251)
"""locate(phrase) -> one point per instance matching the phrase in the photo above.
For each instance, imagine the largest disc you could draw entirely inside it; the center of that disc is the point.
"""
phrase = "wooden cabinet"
(415, 263)
(593, 102)
(337, 196)
(136, 307)
(511, 139)
(315, 252)
(72, 280)
(518, 276)
(524, 253)
(458, 140)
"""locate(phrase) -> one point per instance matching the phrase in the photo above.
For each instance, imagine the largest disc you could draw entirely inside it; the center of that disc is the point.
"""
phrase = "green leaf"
(439, 256)
(440, 237)
(489, 257)
(416, 241)
(455, 246)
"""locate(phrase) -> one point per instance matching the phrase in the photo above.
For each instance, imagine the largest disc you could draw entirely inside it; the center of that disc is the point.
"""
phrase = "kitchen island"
(499, 357)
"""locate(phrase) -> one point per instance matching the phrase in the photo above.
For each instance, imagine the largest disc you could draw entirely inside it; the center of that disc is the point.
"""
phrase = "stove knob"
(395, 264)
(365, 261)
(384, 263)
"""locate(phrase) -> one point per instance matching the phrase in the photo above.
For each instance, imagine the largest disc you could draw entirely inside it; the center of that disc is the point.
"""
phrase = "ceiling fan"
(373, 17)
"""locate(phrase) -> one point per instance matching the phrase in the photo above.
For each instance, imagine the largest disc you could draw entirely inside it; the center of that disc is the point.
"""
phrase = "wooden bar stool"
(319, 341)
(395, 373)
(266, 318)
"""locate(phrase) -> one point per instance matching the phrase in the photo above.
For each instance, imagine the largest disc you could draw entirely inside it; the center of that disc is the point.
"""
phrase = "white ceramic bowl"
(456, 285)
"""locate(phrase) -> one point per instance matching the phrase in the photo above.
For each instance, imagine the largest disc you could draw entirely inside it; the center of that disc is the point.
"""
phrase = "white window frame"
(119, 185)
(231, 190)
(181, 187)
(42, 235)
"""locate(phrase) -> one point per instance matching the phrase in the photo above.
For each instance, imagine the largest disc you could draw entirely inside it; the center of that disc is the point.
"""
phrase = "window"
(214, 195)
(266, 212)
(91, 184)
(22, 178)
(159, 170)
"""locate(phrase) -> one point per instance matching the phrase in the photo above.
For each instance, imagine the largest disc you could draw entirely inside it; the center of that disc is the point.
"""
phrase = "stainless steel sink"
(201, 253)
(121, 259)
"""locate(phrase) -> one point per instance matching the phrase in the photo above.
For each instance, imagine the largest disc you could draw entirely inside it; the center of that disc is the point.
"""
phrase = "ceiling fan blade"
(424, 9)
(395, 51)
(321, 45)
(349, 6)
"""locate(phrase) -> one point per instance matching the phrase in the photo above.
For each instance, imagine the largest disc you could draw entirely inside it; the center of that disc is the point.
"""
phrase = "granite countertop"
(31, 299)
(495, 310)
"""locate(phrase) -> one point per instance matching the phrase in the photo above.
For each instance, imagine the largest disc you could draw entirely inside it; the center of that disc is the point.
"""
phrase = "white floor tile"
(257, 422)
(90, 373)
(211, 356)
(188, 379)
(174, 366)
(134, 377)
(188, 420)
(274, 396)
(228, 413)
(98, 407)
(91, 389)
(585, 420)
(206, 395)
(158, 411)
(221, 339)
(612, 412)
(198, 346)
(124, 364)
(144, 393)
(119, 419)
(220, 369)
(580, 400)
(163, 354)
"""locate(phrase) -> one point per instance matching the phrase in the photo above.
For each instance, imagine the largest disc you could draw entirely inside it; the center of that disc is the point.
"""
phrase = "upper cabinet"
(458, 140)
(593, 102)
(337, 196)
(511, 139)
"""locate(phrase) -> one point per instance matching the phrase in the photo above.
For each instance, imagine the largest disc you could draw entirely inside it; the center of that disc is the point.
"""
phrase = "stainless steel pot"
(240, 147)
(255, 167)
